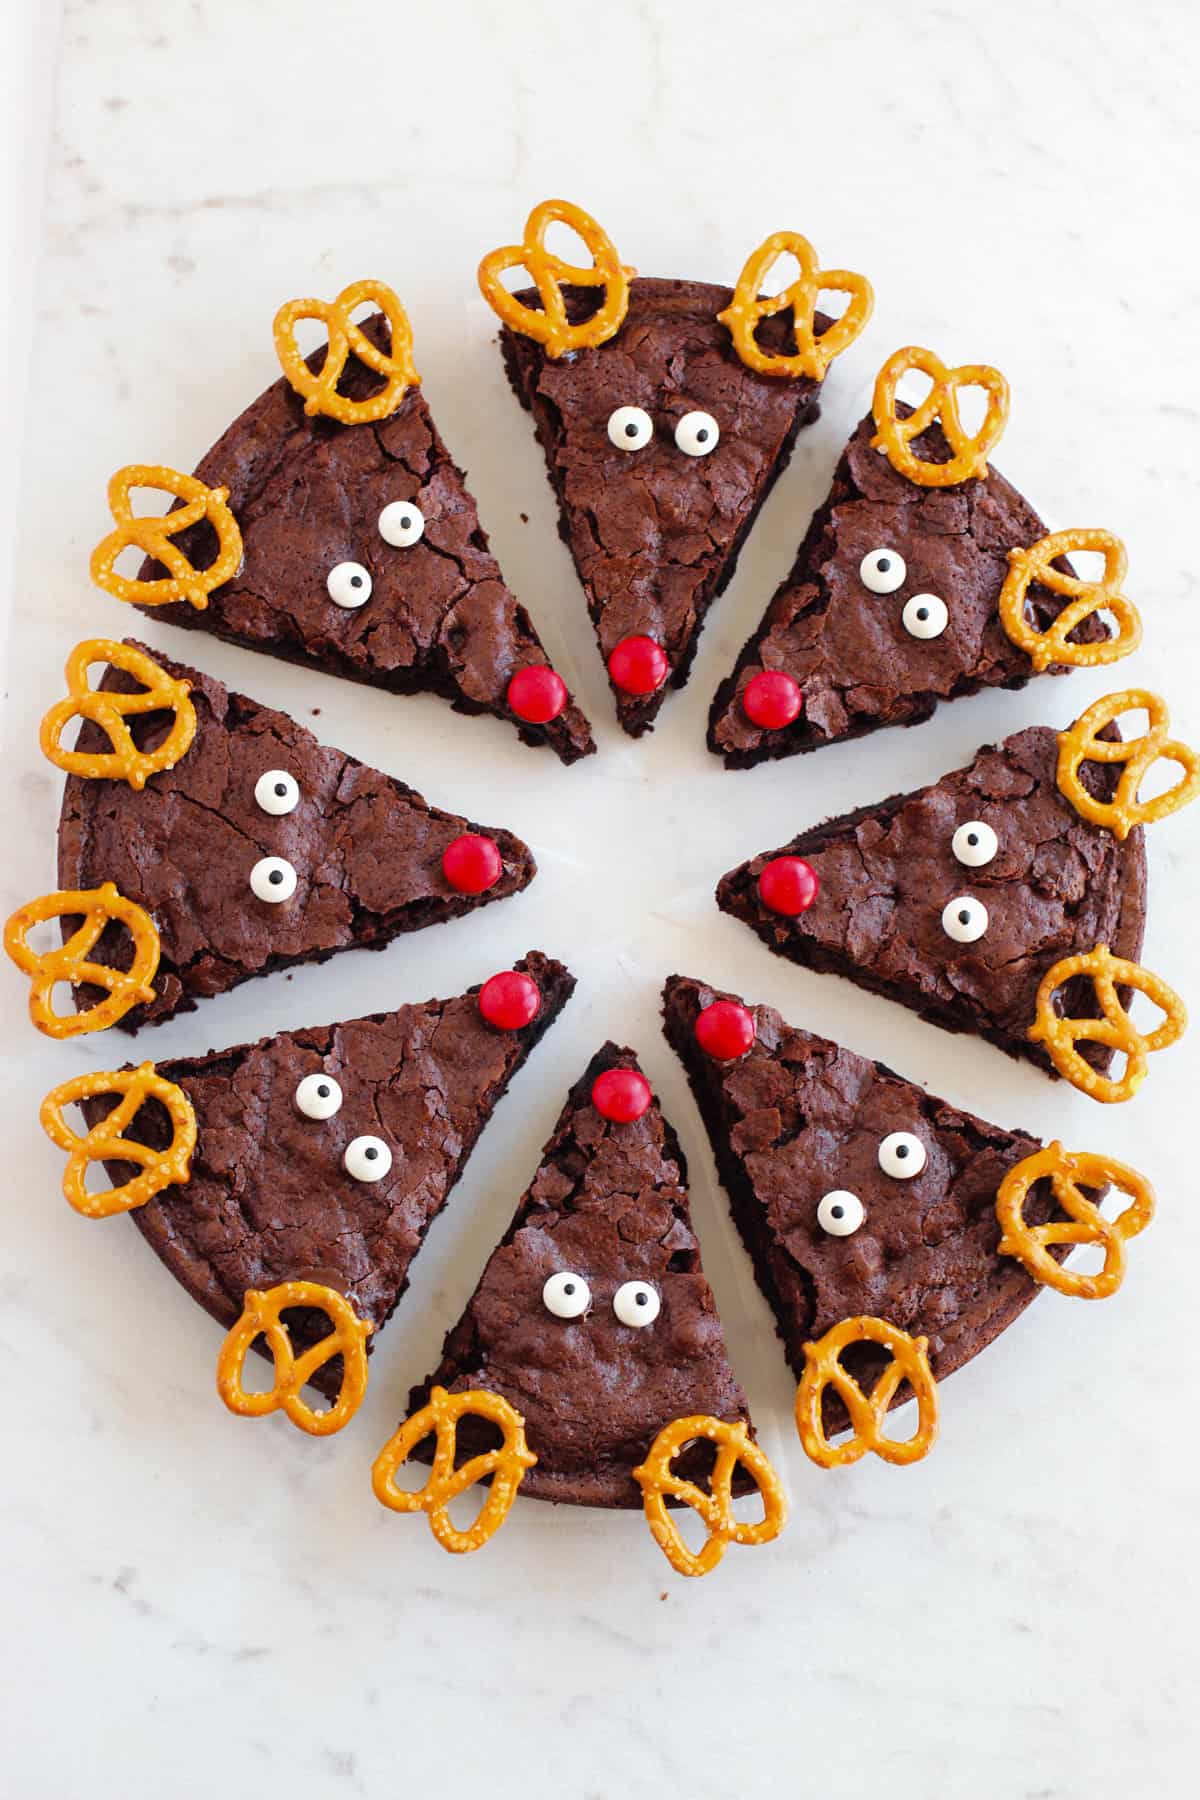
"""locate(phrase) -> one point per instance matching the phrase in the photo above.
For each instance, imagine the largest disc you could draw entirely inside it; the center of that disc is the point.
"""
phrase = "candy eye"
(348, 584)
(697, 433)
(318, 1097)
(902, 1154)
(964, 919)
(925, 616)
(629, 428)
(882, 571)
(840, 1213)
(566, 1295)
(975, 843)
(276, 792)
(636, 1303)
(367, 1158)
(401, 524)
(273, 878)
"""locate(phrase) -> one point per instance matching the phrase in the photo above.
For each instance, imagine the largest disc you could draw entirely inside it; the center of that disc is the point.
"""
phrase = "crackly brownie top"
(1055, 885)
(367, 850)
(269, 1199)
(608, 1204)
(307, 494)
(856, 664)
(798, 1117)
(650, 528)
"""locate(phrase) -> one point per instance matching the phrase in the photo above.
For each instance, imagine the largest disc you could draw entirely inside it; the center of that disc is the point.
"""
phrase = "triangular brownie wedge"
(956, 899)
(604, 1230)
(798, 1121)
(321, 505)
(360, 856)
(890, 607)
(666, 411)
(270, 1198)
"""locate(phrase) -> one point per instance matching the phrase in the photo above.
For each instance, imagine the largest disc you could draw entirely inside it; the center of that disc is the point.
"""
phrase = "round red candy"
(638, 665)
(509, 1000)
(772, 700)
(537, 695)
(471, 864)
(725, 1030)
(788, 885)
(621, 1094)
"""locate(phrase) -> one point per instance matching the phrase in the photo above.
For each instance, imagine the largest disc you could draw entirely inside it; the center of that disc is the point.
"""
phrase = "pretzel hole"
(913, 387)
(972, 405)
(1086, 1259)
(562, 240)
(258, 1372)
(781, 274)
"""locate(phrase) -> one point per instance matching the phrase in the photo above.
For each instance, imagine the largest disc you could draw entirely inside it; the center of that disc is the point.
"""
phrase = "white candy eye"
(964, 919)
(902, 1154)
(349, 584)
(367, 1158)
(629, 428)
(882, 571)
(566, 1295)
(273, 878)
(697, 433)
(401, 523)
(840, 1213)
(318, 1097)
(636, 1303)
(975, 843)
(276, 792)
(924, 616)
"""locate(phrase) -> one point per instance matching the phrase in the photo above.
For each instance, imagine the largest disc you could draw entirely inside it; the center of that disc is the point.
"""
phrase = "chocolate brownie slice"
(864, 657)
(270, 1199)
(798, 1119)
(308, 495)
(1036, 883)
(655, 532)
(607, 1207)
(365, 850)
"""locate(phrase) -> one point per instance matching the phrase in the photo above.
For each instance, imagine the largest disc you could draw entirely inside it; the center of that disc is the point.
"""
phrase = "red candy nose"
(638, 666)
(471, 864)
(621, 1094)
(509, 1000)
(725, 1030)
(788, 885)
(537, 695)
(772, 700)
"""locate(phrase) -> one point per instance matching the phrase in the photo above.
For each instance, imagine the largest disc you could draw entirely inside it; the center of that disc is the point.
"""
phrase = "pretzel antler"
(551, 327)
(749, 306)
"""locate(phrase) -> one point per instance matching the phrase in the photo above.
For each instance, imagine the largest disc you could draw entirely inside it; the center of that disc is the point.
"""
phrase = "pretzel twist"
(72, 963)
(823, 1368)
(262, 1316)
(1114, 1029)
(506, 1465)
(320, 390)
(1085, 598)
(734, 1446)
(1069, 1172)
(550, 327)
(154, 535)
(106, 1141)
(124, 762)
(894, 435)
(1083, 743)
(749, 306)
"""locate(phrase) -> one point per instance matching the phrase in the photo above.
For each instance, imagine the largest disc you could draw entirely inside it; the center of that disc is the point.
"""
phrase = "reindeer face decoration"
(666, 410)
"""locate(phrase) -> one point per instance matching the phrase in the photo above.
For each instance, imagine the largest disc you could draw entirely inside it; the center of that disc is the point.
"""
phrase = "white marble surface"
(196, 1606)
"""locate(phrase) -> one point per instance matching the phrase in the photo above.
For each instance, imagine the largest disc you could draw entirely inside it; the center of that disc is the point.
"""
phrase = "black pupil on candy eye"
(901, 1149)
(922, 612)
(964, 917)
(275, 877)
(640, 1299)
(883, 564)
(356, 581)
(702, 435)
(322, 1092)
(280, 789)
(631, 430)
(972, 838)
(370, 1153)
(837, 1212)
